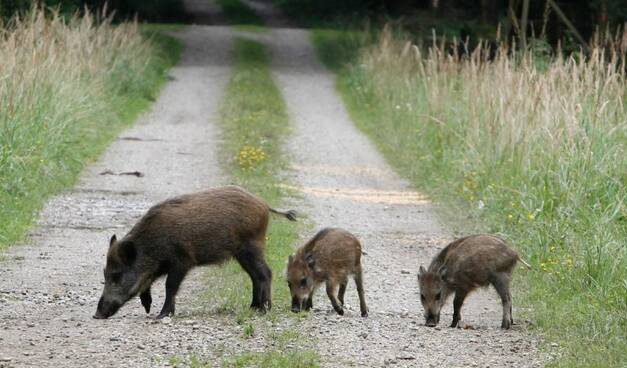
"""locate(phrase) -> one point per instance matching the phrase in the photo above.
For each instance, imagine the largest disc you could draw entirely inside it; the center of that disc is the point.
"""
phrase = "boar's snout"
(106, 309)
(431, 320)
(296, 304)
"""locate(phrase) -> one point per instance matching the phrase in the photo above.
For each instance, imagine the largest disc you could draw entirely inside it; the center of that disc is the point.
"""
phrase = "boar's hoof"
(146, 300)
(506, 324)
(364, 314)
(339, 311)
(163, 315)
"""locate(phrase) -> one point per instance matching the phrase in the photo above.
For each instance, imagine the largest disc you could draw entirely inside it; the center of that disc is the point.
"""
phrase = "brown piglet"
(331, 256)
(181, 233)
(465, 264)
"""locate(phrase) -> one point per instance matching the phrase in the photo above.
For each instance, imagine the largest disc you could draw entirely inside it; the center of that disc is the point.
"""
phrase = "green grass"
(538, 156)
(239, 14)
(280, 355)
(274, 359)
(255, 126)
(61, 105)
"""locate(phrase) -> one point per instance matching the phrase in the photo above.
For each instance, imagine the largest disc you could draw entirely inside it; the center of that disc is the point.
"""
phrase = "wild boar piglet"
(330, 257)
(465, 264)
(180, 233)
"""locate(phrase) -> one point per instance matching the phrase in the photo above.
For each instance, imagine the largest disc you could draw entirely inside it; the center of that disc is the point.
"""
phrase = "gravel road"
(50, 285)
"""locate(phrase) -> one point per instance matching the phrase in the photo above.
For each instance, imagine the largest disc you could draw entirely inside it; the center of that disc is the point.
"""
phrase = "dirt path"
(345, 182)
(49, 287)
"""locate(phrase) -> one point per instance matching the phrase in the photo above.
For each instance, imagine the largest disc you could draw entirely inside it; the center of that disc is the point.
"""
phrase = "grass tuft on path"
(255, 125)
(537, 154)
(67, 87)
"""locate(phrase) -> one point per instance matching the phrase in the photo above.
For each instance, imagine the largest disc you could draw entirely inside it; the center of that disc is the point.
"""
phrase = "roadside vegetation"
(255, 125)
(530, 147)
(67, 87)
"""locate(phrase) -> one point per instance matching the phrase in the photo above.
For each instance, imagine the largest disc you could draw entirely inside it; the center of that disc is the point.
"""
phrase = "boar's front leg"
(172, 283)
(460, 295)
(309, 302)
(332, 293)
(146, 299)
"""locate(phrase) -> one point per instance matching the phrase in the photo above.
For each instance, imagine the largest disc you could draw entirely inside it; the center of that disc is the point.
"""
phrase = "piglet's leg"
(332, 293)
(309, 302)
(359, 283)
(340, 295)
(501, 284)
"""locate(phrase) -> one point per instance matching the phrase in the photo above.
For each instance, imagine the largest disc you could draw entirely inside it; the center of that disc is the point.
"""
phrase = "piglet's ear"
(127, 252)
(113, 240)
(442, 271)
(311, 262)
(422, 271)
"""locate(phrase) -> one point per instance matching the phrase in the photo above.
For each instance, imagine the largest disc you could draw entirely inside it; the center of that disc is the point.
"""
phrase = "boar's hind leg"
(251, 260)
(146, 299)
(359, 282)
(172, 283)
(332, 294)
(340, 294)
(460, 295)
(500, 282)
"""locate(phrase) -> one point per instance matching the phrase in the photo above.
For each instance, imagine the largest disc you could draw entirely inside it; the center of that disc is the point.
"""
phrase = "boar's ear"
(311, 262)
(290, 259)
(127, 252)
(113, 240)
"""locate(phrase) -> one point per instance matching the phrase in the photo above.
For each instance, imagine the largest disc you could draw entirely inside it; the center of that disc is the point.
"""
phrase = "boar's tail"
(290, 214)
(525, 263)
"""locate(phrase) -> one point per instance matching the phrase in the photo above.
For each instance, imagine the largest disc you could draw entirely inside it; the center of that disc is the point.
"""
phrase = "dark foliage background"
(152, 10)
(479, 15)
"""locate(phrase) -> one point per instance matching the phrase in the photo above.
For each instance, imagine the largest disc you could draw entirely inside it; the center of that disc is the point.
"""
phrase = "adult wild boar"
(180, 233)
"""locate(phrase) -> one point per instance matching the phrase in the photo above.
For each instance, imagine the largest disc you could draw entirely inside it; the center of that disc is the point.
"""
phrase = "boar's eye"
(438, 295)
(303, 282)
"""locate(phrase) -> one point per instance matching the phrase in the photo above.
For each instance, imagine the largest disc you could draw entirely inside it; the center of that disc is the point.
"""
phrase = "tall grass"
(66, 87)
(532, 150)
